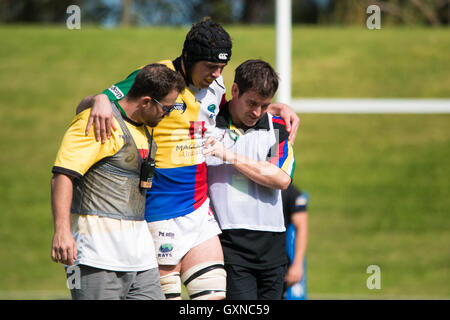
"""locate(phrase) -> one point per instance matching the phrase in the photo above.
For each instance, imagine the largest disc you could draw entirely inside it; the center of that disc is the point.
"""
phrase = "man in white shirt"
(249, 162)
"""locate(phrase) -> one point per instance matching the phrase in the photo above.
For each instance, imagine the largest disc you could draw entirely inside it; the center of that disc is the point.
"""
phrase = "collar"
(224, 117)
(124, 115)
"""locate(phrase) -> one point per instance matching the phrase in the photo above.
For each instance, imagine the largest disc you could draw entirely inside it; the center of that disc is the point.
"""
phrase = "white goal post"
(283, 36)
(283, 48)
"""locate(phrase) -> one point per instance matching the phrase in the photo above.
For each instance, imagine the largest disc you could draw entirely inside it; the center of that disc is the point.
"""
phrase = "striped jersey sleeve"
(284, 157)
(119, 90)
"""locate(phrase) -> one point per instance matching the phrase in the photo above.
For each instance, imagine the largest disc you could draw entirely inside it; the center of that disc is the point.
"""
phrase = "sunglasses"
(165, 108)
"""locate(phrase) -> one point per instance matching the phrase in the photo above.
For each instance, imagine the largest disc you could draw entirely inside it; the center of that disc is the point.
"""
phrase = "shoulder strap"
(122, 124)
(151, 144)
(128, 136)
(126, 133)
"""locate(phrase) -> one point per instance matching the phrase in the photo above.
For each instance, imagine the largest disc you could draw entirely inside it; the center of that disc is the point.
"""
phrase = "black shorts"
(252, 284)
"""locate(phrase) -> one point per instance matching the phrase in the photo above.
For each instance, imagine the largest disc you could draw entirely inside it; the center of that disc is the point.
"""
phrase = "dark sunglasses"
(165, 108)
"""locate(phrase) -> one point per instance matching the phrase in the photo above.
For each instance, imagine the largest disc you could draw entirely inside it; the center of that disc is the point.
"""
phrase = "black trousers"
(252, 284)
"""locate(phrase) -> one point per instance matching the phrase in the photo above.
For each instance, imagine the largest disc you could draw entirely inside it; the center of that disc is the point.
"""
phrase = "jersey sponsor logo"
(181, 106)
(143, 153)
(165, 248)
(116, 92)
(197, 129)
(170, 235)
(223, 56)
(212, 109)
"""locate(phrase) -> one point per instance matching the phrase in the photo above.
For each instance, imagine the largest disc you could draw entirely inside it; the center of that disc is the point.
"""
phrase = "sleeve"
(119, 90)
(282, 153)
(294, 201)
(301, 202)
(79, 152)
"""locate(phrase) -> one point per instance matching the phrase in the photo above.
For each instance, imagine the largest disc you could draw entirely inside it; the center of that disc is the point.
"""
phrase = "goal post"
(283, 21)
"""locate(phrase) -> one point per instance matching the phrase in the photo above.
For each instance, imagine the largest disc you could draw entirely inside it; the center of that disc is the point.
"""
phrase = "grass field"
(379, 184)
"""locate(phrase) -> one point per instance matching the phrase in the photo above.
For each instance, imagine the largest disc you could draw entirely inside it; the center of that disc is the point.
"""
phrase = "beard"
(154, 122)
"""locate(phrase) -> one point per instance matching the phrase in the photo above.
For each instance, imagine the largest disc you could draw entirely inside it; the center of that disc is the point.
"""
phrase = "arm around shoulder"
(101, 115)
(86, 103)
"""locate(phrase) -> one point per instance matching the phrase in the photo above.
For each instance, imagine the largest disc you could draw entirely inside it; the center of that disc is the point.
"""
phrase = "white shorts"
(173, 238)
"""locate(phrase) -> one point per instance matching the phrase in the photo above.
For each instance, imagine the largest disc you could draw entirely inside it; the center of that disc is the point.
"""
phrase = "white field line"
(371, 105)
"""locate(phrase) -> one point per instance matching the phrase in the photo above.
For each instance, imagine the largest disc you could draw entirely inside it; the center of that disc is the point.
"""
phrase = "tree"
(127, 6)
(218, 10)
(430, 12)
(257, 11)
(33, 11)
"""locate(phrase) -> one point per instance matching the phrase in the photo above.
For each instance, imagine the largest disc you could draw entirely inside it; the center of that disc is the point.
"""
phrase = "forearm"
(61, 197)
(89, 101)
(261, 172)
(301, 242)
(300, 249)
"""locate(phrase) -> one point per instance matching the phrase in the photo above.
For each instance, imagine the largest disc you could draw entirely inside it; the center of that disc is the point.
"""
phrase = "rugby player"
(177, 209)
(98, 206)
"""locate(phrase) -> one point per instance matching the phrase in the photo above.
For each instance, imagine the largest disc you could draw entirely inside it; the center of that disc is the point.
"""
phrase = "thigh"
(207, 251)
(146, 286)
(202, 271)
(206, 246)
(241, 283)
(96, 284)
(271, 283)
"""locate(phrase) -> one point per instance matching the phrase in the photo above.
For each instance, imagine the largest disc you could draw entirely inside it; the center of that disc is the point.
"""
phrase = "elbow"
(285, 185)
(86, 103)
(278, 179)
(284, 182)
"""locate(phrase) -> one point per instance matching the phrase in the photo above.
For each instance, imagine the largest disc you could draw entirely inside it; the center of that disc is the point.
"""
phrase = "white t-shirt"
(113, 244)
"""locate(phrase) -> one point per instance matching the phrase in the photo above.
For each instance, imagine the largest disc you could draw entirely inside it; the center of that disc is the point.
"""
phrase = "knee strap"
(171, 285)
(205, 280)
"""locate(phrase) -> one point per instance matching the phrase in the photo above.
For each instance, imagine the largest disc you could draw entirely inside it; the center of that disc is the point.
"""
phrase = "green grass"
(378, 183)
(356, 62)
(379, 187)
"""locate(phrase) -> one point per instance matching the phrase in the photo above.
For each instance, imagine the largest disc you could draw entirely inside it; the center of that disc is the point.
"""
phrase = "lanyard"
(236, 132)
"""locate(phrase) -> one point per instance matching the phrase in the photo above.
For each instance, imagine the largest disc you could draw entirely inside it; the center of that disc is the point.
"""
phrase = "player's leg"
(97, 284)
(241, 283)
(170, 281)
(145, 285)
(271, 283)
(202, 271)
(189, 245)
(170, 248)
